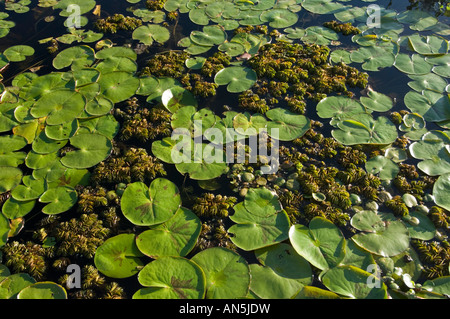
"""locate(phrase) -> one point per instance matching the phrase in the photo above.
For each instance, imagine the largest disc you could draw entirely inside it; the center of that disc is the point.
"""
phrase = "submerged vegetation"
(90, 120)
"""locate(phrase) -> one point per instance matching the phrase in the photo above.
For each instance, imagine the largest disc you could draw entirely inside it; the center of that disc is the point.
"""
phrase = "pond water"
(87, 175)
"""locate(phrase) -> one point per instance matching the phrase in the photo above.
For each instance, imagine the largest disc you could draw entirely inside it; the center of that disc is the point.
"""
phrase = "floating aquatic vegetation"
(117, 22)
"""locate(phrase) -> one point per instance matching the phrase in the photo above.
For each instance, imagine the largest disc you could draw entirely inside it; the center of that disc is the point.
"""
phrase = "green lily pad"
(249, 124)
(207, 162)
(5, 228)
(46, 84)
(441, 65)
(211, 35)
(227, 273)
(177, 97)
(175, 237)
(383, 166)
(149, 33)
(10, 177)
(321, 6)
(351, 282)
(105, 125)
(113, 63)
(338, 106)
(18, 53)
(173, 150)
(119, 257)
(441, 189)
(92, 149)
(30, 189)
(290, 126)
(254, 230)
(61, 132)
(13, 209)
(322, 244)
(262, 202)
(236, 78)
(364, 129)
(59, 106)
(377, 101)
(319, 35)
(428, 45)
(282, 274)
(42, 144)
(279, 18)
(433, 153)
(146, 206)
(58, 200)
(425, 230)
(43, 290)
(84, 6)
(118, 86)
(374, 58)
(77, 57)
(380, 235)
(171, 277)
(414, 64)
(13, 284)
(433, 106)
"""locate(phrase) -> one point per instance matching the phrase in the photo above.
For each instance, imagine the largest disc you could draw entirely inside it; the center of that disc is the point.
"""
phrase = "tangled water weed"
(224, 149)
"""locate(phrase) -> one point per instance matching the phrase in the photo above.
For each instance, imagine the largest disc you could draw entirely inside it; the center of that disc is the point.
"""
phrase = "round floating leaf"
(118, 86)
(373, 58)
(67, 6)
(92, 149)
(321, 6)
(253, 231)
(13, 209)
(36, 161)
(31, 189)
(425, 230)
(146, 206)
(175, 237)
(208, 162)
(383, 166)
(290, 125)
(59, 199)
(18, 53)
(415, 64)
(432, 150)
(211, 35)
(151, 32)
(262, 202)
(319, 35)
(113, 63)
(237, 79)
(351, 282)
(59, 106)
(99, 106)
(13, 284)
(441, 190)
(232, 48)
(171, 278)
(5, 228)
(428, 45)
(227, 273)
(61, 132)
(338, 56)
(195, 63)
(10, 177)
(119, 257)
(322, 244)
(46, 84)
(338, 106)
(441, 65)
(365, 130)
(77, 57)
(279, 18)
(116, 52)
(43, 290)
(44, 145)
(380, 236)
(282, 274)
(433, 106)
(177, 97)
(172, 150)
(378, 102)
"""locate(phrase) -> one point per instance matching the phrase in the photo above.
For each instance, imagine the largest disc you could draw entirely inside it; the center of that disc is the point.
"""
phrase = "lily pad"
(30, 189)
(383, 166)
(381, 235)
(175, 237)
(441, 190)
(77, 57)
(13, 209)
(376, 101)
(146, 206)
(322, 244)
(414, 64)
(91, 150)
(147, 34)
(430, 45)
(227, 273)
(10, 177)
(211, 35)
(119, 257)
(18, 53)
(43, 290)
(236, 78)
(254, 230)
(279, 18)
(13, 284)
(433, 106)
(118, 86)
(282, 274)
(374, 58)
(364, 129)
(441, 65)
(433, 153)
(338, 106)
(351, 282)
(289, 125)
(171, 277)
(58, 199)
(60, 106)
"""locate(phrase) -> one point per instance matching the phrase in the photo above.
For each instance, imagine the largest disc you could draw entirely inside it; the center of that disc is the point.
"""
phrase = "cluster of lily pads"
(57, 126)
